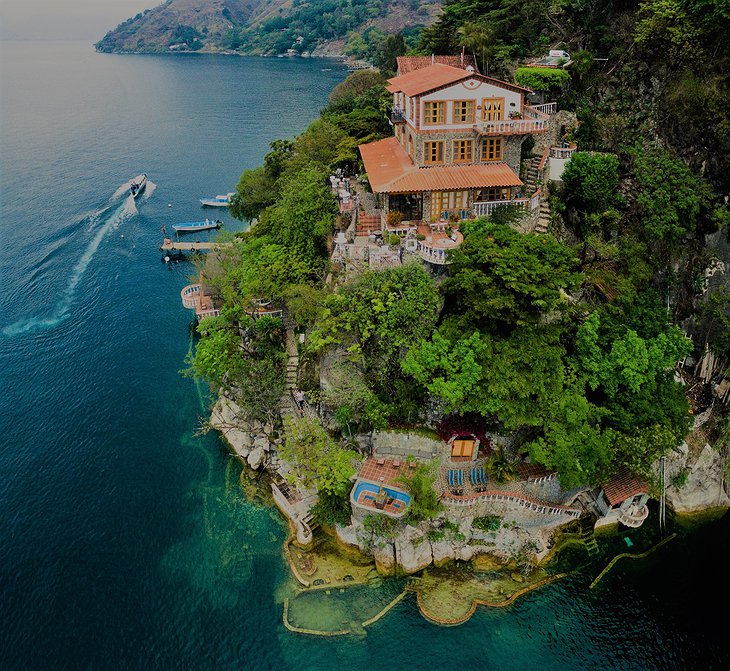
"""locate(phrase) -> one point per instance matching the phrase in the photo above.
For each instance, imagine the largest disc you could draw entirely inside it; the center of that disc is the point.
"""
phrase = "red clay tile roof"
(622, 486)
(390, 170)
(435, 76)
(427, 79)
(408, 64)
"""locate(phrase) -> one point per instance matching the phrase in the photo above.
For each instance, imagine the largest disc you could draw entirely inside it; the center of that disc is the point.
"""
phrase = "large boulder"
(703, 488)
(256, 458)
(224, 419)
(347, 536)
(412, 550)
(384, 555)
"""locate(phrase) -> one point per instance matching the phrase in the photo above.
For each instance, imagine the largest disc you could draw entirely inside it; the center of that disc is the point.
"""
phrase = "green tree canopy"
(541, 79)
(670, 198)
(509, 379)
(316, 458)
(501, 276)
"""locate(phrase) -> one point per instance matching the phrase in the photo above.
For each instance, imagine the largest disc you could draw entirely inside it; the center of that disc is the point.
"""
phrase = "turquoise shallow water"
(126, 540)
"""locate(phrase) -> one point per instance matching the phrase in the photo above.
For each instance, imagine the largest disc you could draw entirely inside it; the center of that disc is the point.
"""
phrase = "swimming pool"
(365, 492)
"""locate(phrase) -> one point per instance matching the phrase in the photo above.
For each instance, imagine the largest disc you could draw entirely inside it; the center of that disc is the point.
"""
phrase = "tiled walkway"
(374, 469)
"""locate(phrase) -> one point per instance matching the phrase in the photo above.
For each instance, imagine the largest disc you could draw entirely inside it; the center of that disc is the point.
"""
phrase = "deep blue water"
(126, 541)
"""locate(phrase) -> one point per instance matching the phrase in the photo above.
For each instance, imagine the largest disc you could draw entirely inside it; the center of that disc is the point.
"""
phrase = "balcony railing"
(547, 108)
(512, 127)
(634, 518)
(487, 207)
(396, 115)
(431, 254)
(210, 312)
(533, 121)
(535, 200)
(189, 296)
(562, 152)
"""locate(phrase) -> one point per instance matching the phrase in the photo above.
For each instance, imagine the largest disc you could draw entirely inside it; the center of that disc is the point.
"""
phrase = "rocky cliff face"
(703, 485)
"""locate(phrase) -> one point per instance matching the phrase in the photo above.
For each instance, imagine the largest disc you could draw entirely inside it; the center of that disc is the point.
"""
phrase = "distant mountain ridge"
(265, 26)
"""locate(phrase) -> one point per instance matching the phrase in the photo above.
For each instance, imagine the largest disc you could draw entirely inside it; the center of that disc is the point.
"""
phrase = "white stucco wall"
(469, 89)
(557, 167)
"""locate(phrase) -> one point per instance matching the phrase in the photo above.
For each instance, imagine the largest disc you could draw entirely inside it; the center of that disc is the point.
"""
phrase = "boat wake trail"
(111, 217)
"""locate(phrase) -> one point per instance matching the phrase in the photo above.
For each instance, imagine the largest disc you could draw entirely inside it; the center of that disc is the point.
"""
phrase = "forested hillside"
(571, 341)
(268, 26)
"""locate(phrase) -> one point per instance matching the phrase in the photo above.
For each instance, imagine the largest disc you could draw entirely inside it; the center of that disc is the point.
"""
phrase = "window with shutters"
(492, 109)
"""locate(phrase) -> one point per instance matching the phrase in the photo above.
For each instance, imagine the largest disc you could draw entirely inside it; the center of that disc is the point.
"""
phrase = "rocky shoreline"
(414, 548)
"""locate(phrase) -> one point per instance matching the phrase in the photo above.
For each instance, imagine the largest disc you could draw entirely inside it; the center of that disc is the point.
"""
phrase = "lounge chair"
(461, 477)
(451, 478)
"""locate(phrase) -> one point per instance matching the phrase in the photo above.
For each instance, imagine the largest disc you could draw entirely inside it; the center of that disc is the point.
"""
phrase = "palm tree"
(500, 468)
(479, 40)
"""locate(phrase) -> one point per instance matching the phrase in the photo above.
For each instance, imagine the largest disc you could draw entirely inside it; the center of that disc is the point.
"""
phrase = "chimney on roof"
(433, 59)
(462, 56)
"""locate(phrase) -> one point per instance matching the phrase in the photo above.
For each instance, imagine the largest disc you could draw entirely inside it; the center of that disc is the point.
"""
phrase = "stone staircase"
(288, 405)
(543, 218)
(368, 223)
(531, 185)
(589, 540)
(531, 175)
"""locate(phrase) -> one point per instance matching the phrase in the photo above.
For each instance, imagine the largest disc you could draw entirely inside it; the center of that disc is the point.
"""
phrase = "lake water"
(126, 540)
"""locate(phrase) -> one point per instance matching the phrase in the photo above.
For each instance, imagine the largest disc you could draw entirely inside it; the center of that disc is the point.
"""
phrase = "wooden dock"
(174, 246)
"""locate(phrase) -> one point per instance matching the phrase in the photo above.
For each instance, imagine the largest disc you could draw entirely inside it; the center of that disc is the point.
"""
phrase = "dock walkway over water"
(174, 246)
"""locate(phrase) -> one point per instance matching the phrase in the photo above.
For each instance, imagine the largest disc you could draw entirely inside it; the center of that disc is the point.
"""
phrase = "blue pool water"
(126, 541)
(366, 486)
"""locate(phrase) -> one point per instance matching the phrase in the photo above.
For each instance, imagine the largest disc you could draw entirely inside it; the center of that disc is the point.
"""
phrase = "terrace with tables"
(463, 480)
(377, 488)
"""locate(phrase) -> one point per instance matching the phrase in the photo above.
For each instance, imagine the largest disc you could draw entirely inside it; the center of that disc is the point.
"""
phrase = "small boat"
(193, 226)
(137, 185)
(218, 201)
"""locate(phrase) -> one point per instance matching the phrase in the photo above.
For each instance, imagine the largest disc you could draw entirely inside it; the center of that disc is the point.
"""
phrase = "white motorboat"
(218, 201)
(137, 185)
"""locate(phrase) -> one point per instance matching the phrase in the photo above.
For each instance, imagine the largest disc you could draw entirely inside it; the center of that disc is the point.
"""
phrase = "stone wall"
(510, 147)
(403, 445)
(511, 151)
(558, 121)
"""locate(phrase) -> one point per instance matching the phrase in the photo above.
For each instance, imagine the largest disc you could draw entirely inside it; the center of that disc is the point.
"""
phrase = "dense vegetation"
(567, 340)
(359, 28)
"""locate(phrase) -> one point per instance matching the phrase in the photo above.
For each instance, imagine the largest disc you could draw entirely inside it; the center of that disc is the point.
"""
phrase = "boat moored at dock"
(194, 226)
(218, 201)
